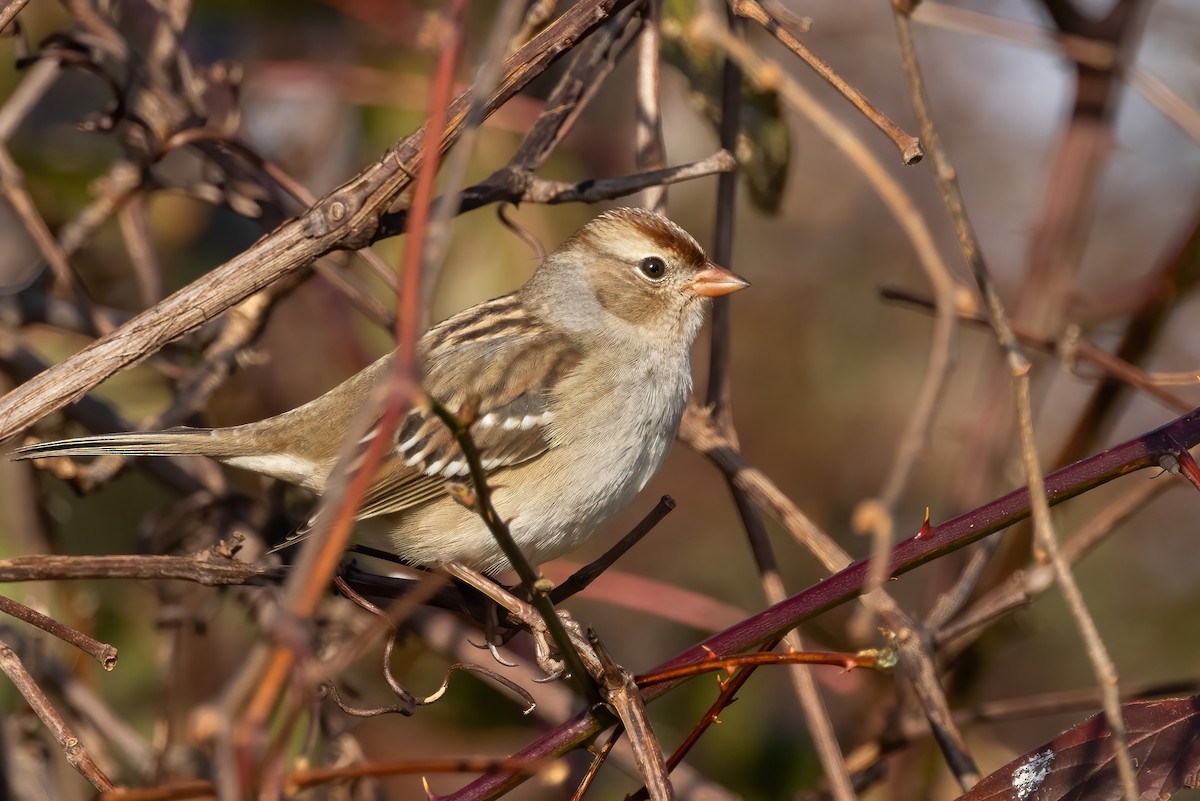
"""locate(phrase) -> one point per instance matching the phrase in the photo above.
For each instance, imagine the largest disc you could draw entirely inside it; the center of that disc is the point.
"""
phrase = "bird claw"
(491, 646)
(555, 669)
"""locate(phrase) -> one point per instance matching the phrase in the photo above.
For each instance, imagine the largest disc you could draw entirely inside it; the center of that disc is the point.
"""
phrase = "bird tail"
(180, 441)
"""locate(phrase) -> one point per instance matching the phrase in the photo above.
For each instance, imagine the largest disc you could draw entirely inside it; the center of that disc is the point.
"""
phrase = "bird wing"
(495, 357)
(507, 367)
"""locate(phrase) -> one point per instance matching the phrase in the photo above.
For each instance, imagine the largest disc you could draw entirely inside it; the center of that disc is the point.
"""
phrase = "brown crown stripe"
(661, 231)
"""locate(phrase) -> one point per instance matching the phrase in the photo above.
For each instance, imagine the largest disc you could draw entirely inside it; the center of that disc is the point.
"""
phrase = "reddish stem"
(1144, 451)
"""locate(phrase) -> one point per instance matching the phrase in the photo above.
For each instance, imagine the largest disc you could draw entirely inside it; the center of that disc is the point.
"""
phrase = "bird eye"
(653, 267)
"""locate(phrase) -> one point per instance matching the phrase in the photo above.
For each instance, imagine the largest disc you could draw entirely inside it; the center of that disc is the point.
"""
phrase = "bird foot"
(546, 650)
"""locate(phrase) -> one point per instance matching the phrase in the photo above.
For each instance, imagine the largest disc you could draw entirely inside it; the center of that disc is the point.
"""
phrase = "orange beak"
(714, 281)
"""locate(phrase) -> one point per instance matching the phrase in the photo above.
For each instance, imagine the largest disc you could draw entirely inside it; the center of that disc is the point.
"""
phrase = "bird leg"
(544, 649)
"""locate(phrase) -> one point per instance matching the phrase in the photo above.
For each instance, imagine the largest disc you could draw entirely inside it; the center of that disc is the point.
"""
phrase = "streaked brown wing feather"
(399, 489)
(501, 363)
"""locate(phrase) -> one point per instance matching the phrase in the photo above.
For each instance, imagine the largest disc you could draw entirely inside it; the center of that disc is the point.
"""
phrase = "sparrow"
(580, 378)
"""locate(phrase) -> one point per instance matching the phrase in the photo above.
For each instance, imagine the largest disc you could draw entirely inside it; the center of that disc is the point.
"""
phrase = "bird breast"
(626, 421)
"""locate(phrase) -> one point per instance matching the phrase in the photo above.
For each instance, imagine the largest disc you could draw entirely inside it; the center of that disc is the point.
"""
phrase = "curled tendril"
(524, 234)
(509, 684)
(405, 707)
(408, 702)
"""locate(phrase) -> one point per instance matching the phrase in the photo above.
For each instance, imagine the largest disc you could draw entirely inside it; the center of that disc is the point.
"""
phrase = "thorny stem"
(846, 661)
(728, 694)
(1061, 485)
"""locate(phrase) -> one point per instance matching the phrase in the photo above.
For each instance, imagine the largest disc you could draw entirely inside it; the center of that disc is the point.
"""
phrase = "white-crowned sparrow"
(581, 377)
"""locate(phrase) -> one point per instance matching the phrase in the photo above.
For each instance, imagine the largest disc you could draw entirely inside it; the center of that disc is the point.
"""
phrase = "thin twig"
(1019, 367)
(537, 588)
(1166, 100)
(1190, 378)
(649, 149)
(90, 707)
(1154, 302)
(908, 145)
(585, 575)
(35, 82)
(314, 777)
(1081, 700)
(1023, 587)
(75, 753)
(540, 190)
(728, 664)
(102, 652)
(600, 756)
(114, 189)
(10, 11)
(1071, 349)
(536, 16)
(718, 396)
(134, 221)
(201, 569)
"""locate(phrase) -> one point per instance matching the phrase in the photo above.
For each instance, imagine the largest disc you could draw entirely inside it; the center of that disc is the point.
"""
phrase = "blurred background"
(825, 371)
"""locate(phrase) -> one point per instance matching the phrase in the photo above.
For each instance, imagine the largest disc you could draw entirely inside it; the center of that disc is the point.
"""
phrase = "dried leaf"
(1164, 738)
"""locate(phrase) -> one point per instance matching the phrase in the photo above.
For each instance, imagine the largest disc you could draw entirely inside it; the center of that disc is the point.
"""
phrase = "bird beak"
(714, 281)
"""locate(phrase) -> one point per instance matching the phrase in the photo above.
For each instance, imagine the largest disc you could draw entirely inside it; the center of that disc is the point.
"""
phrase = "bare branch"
(75, 753)
(102, 652)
